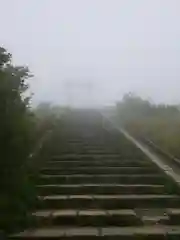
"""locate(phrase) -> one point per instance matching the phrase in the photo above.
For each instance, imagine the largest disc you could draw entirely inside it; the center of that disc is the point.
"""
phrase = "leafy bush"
(16, 142)
(22, 132)
(159, 123)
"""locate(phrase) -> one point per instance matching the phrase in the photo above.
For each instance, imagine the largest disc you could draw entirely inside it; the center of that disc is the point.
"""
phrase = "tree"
(16, 139)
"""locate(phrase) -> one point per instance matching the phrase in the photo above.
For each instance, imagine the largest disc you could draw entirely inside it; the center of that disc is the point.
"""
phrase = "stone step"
(174, 215)
(116, 233)
(82, 144)
(98, 157)
(99, 151)
(88, 217)
(96, 184)
(95, 148)
(109, 201)
(153, 216)
(87, 144)
(79, 189)
(100, 170)
(84, 150)
(88, 157)
(67, 151)
(99, 163)
(104, 178)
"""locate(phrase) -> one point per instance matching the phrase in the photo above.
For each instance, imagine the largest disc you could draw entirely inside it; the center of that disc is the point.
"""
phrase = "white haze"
(109, 46)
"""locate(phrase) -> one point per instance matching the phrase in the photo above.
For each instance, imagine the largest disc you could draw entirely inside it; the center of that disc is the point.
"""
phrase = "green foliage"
(47, 115)
(16, 142)
(22, 134)
(159, 123)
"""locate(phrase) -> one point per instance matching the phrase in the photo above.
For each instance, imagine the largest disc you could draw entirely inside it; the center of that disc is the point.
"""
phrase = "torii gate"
(79, 90)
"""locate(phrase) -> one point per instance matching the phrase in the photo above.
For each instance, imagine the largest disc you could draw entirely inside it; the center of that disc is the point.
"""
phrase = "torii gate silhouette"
(79, 90)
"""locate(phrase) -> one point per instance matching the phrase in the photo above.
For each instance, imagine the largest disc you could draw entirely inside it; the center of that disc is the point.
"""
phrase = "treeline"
(21, 131)
(156, 122)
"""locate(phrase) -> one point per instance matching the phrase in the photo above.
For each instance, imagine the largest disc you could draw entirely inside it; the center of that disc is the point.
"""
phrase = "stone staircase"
(97, 184)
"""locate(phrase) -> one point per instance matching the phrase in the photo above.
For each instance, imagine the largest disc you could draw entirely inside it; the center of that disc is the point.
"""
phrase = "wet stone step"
(88, 217)
(100, 170)
(86, 157)
(100, 189)
(100, 163)
(156, 216)
(95, 184)
(105, 178)
(115, 233)
(110, 201)
(68, 151)
(98, 151)
(91, 157)
(86, 145)
(174, 215)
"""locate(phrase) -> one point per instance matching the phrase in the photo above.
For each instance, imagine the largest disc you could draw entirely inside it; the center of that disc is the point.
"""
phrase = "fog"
(91, 52)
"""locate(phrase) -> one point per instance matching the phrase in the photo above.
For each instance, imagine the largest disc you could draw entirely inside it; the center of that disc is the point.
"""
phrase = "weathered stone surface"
(67, 212)
(96, 184)
(92, 213)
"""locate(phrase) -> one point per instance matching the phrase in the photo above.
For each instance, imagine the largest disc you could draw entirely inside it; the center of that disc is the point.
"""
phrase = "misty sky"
(115, 46)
